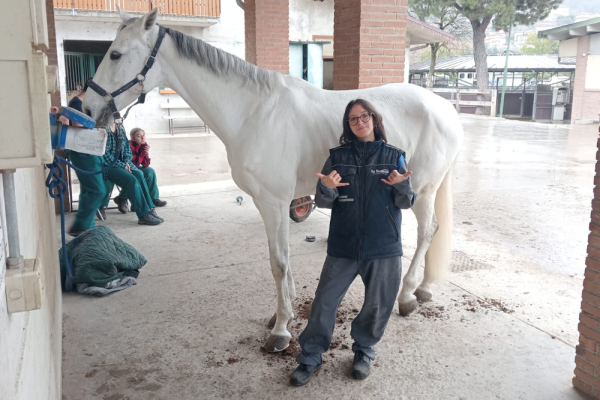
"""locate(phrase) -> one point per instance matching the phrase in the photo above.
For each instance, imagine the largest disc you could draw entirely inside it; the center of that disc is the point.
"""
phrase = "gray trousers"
(382, 281)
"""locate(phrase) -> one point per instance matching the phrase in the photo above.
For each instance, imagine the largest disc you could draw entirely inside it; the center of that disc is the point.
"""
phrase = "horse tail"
(437, 258)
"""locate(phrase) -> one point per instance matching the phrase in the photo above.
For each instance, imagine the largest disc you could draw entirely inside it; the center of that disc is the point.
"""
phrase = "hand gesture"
(396, 177)
(128, 168)
(333, 180)
(146, 147)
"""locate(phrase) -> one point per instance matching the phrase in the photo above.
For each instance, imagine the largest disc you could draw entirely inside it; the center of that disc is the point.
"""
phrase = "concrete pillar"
(267, 34)
(587, 359)
(369, 39)
(579, 81)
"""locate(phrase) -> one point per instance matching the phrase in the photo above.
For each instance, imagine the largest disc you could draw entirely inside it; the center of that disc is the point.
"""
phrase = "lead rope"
(55, 181)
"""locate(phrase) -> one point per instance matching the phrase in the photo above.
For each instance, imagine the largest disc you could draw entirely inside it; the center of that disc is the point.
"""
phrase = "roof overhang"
(571, 31)
(420, 32)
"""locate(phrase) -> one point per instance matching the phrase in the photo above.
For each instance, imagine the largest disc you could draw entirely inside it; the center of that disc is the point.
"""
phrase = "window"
(461, 76)
(470, 76)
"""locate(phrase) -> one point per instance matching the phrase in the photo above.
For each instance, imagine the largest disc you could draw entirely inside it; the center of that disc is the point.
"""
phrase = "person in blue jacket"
(366, 183)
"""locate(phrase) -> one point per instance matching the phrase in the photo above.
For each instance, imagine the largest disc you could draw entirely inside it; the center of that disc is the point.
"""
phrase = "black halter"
(110, 97)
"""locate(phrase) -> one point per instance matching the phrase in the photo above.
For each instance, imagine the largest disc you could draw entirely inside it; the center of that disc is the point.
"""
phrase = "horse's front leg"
(427, 226)
(275, 216)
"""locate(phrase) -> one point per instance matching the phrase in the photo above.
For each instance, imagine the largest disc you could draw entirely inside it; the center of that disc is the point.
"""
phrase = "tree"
(536, 45)
(444, 51)
(503, 13)
(443, 15)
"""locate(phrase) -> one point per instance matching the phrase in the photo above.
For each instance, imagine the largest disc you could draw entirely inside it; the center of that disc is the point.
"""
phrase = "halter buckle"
(149, 62)
(141, 78)
(108, 98)
(118, 121)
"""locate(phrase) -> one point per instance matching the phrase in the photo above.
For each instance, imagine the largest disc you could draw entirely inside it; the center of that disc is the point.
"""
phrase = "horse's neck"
(220, 101)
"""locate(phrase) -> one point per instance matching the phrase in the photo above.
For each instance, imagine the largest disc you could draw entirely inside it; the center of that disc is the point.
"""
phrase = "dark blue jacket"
(366, 218)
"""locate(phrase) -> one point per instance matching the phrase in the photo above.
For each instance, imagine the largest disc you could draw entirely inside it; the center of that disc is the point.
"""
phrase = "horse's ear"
(149, 19)
(124, 16)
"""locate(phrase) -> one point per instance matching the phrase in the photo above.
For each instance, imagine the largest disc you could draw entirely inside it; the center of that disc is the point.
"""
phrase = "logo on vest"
(380, 171)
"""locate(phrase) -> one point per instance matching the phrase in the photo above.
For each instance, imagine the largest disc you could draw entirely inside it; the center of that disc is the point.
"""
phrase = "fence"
(464, 97)
(196, 8)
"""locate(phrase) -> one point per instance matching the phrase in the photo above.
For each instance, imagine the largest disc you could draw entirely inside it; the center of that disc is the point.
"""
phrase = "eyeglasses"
(366, 117)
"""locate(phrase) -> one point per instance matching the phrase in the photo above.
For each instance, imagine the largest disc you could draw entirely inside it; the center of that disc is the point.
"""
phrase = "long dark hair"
(347, 134)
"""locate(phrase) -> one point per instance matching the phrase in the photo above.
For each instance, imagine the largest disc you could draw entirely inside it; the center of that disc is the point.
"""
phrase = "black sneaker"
(122, 204)
(101, 213)
(159, 202)
(361, 365)
(155, 215)
(149, 219)
(75, 232)
(302, 374)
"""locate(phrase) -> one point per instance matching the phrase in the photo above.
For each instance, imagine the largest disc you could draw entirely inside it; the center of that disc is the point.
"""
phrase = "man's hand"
(333, 180)
(128, 168)
(396, 177)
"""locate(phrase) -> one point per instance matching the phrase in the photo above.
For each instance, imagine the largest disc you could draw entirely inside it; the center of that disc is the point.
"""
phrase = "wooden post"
(457, 100)
(535, 97)
(523, 95)
(494, 99)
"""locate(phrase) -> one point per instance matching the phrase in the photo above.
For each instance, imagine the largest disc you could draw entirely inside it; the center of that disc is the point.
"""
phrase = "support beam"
(369, 43)
(267, 34)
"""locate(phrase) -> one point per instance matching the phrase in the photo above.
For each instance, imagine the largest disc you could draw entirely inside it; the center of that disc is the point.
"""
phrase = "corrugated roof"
(523, 63)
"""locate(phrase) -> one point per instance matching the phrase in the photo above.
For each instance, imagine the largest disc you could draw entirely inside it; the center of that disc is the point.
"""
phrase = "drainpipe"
(15, 259)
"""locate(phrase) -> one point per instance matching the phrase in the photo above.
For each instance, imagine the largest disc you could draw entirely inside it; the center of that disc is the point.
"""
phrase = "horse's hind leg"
(275, 217)
(427, 226)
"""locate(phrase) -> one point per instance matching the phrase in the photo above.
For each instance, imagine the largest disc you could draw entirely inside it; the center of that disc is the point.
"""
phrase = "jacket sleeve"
(325, 197)
(404, 195)
(108, 158)
(126, 150)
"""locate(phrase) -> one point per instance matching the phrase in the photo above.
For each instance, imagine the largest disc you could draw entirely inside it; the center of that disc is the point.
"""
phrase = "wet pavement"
(503, 325)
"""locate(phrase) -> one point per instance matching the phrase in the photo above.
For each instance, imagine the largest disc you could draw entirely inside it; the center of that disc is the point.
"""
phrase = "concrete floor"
(503, 327)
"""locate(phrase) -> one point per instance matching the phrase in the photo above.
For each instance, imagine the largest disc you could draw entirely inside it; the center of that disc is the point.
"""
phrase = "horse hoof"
(273, 319)
(423, 296)
(406, 308)
(275, 344)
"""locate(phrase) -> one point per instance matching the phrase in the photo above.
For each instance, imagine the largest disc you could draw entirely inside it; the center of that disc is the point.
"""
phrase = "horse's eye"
(115, 56)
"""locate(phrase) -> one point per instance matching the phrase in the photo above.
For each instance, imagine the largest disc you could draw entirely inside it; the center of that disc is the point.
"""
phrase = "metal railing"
(193, 8)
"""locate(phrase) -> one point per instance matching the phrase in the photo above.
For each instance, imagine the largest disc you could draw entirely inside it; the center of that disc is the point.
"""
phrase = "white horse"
(277, 130)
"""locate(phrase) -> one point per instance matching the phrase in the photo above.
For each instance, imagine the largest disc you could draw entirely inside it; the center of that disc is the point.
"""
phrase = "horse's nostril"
(88, 112)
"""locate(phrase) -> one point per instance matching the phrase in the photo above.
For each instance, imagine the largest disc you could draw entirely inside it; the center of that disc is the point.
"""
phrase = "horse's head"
(124, 60)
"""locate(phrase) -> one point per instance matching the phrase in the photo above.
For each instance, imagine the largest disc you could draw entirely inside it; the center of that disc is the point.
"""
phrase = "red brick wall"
(52, 50)
(586, 103)
(267, 34)
(587, 359)
(369, 39)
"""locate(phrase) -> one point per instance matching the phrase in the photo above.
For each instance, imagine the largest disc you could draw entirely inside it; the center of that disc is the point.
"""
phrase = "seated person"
(131, 180)
(141, 159)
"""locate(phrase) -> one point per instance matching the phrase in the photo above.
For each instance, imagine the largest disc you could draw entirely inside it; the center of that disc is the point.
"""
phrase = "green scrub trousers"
(92, 189)
(151, 184)
(133, 187)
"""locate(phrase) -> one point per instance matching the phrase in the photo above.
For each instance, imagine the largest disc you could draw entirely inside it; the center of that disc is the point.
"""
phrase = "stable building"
(581, 41)
(532, 83)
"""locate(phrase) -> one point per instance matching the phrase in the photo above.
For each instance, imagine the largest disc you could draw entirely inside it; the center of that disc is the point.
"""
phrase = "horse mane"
(220, 62)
